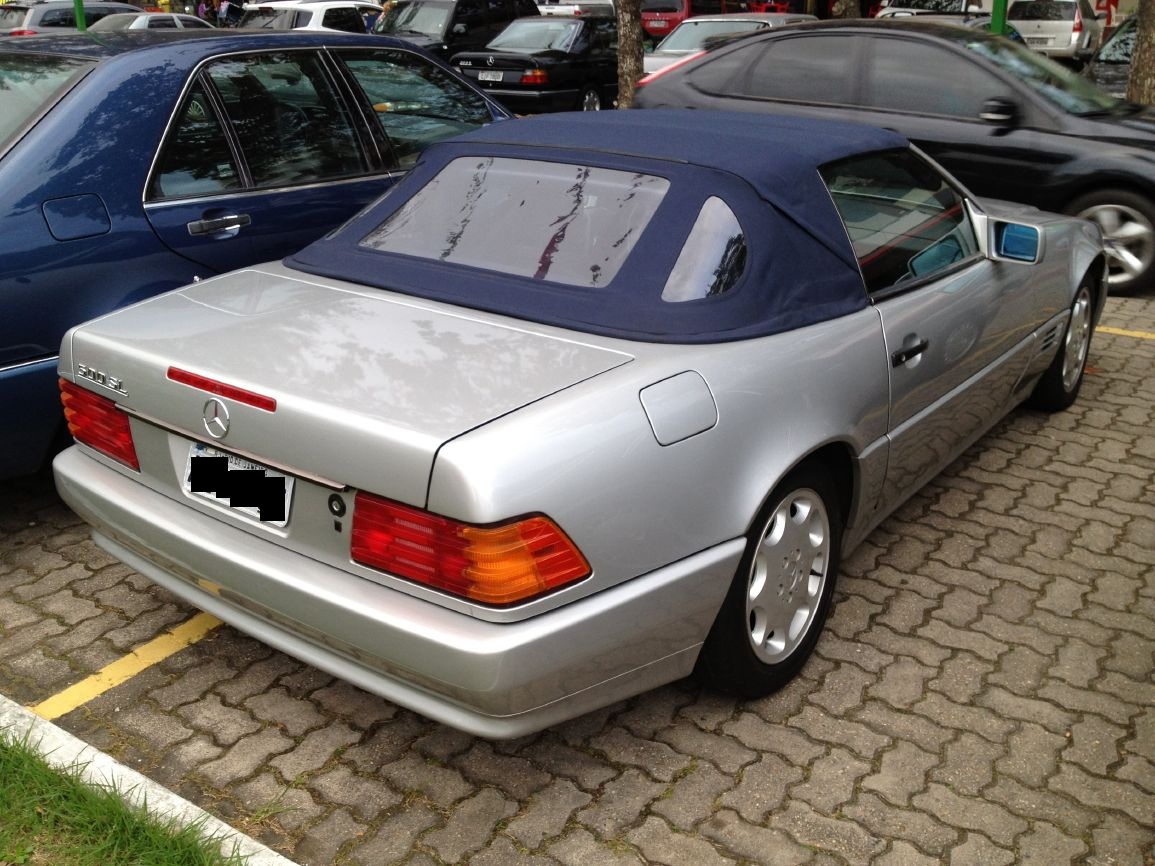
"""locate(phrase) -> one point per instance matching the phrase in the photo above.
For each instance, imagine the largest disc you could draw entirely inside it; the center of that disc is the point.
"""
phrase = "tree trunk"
(630, 49)
(1141, 87)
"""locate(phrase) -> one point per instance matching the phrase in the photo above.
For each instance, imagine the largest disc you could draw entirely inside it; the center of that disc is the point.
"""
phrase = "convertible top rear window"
(29, 84)
(569, 224)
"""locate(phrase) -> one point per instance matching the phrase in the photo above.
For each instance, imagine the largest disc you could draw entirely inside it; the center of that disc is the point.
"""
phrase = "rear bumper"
(491, 679)
(536, 101)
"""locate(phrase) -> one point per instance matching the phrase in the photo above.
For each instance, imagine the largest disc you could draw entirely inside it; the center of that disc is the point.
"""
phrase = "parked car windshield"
(1057, 84)
(422, 19)
(29, 83)
(691, 35)
(661, 5)
(1042, 10)
(12, 17)
(527, 35)
(569, 224)
(1120, 47)
(268, 18)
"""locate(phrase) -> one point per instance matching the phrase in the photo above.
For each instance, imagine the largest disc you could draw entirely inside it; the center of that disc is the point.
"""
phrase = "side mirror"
(999, 112)
(1017, 242)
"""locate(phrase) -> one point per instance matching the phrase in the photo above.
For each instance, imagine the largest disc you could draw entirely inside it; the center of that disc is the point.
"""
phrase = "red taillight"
(1078, 26)
(534, 76)
(98, 423)
(646, 79)
(501, 564)
(22, 33)
(221, 389)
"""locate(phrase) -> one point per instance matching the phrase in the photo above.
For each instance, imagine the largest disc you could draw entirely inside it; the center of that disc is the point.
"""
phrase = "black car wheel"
(775, 609)
(1127, 221)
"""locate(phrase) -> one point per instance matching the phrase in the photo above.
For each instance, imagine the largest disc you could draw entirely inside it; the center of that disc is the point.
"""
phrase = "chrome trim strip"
(249, 193)
(54, 358)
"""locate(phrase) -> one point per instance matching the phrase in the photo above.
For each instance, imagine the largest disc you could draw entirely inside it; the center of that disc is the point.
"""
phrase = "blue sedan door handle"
(219, 224)
(903, 355)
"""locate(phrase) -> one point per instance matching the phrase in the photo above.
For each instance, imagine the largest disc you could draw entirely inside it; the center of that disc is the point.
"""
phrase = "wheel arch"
(838, 461)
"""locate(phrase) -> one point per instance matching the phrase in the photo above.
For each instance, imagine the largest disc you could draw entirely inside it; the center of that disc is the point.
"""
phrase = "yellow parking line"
(124, 669)
(1120, 332)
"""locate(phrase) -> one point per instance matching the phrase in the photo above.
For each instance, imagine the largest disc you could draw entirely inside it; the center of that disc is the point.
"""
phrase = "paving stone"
(858, 738)
(725, 752)
(278, 707)
(983, 722)
(904, 854)
(657, 759)
(850, 616)
(902, 772)
(469, 826)
(1037, 803)
(1130, 656)
(515, 776)
(1047, 845)
(268, 801)
(1078, 663)
(785, 703)
(845, 839)
(224, 724)
(1012, 706)
(587, 771)
(502, 852)
(1087, 701)
(692, 797)
(442, 744)
(580, 848)
(710, 710)
(1032, 754)
(317, 749)
(620, 803)
(192, 685)
(1118, 841)
(835, 649)
(387, 743)
(886, 821)
(48, 673)
(160, 730)
(1013, 603)
(442, 785)
(962, 677)
(762, 788)
(920, 648)
(903, 725)
(832, 781)
(396, 837)
(147, 626)
(1104, 793)
(752, 842)
(968, 814)
(902, 683)
(245, 756)
(359, 708)
(761, 736)
(649, 713)
(256, 678)
(979, 851)
(336, 831)
(842, 689)
(549, 812)
(1094, 744)
(660, 844)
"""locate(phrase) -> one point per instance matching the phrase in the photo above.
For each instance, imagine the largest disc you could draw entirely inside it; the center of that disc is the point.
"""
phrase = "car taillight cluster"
(535, 76)
(23, 33)
(98, 423)
(1078, 25)
(496, 565)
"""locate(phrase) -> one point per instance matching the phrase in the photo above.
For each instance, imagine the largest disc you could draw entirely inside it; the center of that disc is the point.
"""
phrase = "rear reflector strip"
(212, 386)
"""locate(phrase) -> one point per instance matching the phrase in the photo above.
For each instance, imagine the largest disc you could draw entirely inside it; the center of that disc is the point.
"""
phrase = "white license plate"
(240, 484)
(488, 75)
(659, 24)
(1038, 40)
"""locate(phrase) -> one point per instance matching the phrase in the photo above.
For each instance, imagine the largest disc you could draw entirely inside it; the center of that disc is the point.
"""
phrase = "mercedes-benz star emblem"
(216, 418)
(489, 60)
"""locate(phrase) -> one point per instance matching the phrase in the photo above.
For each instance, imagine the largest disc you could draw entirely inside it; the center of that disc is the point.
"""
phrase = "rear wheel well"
(837, 460)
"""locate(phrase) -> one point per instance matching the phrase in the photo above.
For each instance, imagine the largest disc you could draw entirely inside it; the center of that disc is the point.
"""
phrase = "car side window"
(468, 15)
(58, 18)
(896, 80)
(290, 121)
(905, 222)
(415, 101)
(816, 69)
(347, 20)
(159, 22)
(713, 257)
(195, 159)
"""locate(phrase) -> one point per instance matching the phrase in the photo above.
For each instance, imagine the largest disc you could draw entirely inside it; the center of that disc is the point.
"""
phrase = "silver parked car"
(1067, 29)
(697, 33)
(585, 404)
(150, 21)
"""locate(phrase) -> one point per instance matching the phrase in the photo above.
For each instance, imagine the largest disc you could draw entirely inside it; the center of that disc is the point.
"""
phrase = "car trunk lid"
(367, 385)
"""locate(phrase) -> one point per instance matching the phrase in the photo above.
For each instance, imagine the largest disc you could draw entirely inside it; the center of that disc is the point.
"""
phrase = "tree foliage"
(1141, 87)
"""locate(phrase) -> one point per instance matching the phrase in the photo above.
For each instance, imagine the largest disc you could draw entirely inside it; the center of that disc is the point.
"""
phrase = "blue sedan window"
(196, 159)
(570, 224)
(29, 84)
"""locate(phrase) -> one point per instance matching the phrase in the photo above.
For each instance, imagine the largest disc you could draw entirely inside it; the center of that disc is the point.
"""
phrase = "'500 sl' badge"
(99, 377)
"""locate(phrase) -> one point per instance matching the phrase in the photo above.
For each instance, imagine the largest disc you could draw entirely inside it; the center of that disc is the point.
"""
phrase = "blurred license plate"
(1038, 40)
(659, 24)
(240, 484)
(487, 75)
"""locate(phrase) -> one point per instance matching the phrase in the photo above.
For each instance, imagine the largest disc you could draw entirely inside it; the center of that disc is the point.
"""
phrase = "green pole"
(78, 7)
(999, 17)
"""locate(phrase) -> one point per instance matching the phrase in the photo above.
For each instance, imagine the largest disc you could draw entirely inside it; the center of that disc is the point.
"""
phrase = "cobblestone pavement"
(982, 695)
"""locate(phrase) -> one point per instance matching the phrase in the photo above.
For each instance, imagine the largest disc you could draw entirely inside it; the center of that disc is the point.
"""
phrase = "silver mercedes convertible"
(585, 404)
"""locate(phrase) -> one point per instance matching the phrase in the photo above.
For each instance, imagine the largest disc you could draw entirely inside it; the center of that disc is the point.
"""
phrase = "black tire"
(745, 653)
(1059, 386)
(590, 100)
(1127, 221)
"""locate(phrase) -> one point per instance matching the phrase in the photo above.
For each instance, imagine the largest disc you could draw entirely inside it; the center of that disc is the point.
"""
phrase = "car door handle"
(219, 224)
(903, 355)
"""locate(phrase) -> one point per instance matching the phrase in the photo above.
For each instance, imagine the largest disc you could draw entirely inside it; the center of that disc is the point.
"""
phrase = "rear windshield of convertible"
(569, 224)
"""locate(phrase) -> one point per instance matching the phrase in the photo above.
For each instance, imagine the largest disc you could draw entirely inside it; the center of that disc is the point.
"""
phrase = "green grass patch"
(50, 817)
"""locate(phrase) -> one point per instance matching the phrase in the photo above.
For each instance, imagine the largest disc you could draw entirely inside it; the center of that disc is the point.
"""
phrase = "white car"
(696, 34)
(340, 15)
(150, 21)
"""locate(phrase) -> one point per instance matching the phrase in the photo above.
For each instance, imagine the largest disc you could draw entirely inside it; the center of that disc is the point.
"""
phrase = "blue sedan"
(132, 163)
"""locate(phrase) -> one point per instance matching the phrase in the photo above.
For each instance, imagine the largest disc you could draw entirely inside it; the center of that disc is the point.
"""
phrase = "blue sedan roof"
(800, 269)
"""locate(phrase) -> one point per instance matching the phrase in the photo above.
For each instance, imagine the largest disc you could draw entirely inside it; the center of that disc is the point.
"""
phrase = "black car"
(444, 27)
(1006, 121)
(554, 63)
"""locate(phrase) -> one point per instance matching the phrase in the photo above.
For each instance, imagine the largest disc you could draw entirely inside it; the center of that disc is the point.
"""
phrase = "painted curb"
(60, 749)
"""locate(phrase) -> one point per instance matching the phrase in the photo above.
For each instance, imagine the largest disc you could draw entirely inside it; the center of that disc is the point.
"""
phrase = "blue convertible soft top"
(800, 268)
